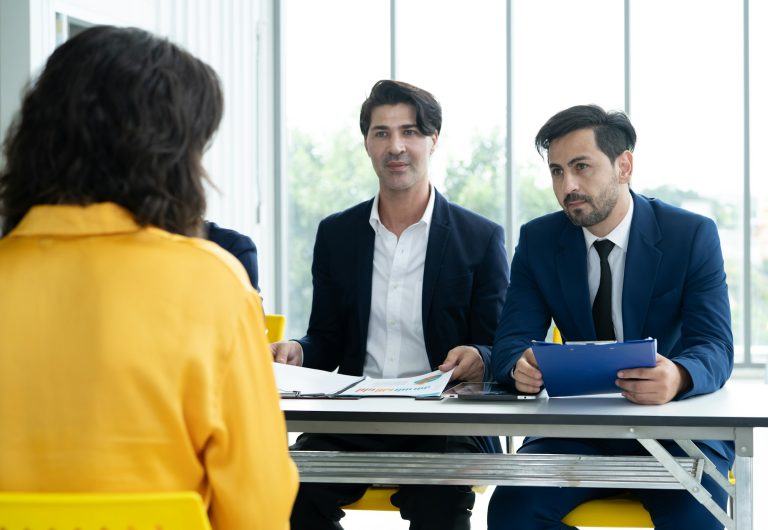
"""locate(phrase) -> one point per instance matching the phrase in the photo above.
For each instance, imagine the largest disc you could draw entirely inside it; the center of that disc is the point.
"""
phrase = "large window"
(458, 54)
(687, 104)
(331, 62)
(757, 218)
(500, 68)
(563, 53)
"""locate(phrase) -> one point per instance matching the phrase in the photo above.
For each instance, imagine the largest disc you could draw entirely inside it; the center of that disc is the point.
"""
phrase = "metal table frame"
(729, 414)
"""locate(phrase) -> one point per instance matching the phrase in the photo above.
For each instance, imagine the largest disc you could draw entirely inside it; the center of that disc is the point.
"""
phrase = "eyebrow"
(578, 159)
(386, 127)
(571, 162)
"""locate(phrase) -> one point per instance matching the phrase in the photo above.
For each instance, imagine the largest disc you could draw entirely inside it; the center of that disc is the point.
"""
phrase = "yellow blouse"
(132, 359)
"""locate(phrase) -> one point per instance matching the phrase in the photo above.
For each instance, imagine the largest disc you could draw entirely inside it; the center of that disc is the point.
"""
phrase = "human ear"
(625, 163)
(434, 137)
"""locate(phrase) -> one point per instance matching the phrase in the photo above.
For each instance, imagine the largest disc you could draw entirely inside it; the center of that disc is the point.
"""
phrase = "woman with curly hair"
(132, 353)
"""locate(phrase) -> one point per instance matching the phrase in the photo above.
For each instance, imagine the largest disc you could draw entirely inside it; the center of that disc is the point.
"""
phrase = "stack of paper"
(297, 381)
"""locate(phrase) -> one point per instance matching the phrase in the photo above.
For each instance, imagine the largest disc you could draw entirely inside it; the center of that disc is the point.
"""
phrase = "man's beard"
(601, 207)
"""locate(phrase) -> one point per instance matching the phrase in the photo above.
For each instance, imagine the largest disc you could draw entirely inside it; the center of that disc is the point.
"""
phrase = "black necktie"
(601, 308)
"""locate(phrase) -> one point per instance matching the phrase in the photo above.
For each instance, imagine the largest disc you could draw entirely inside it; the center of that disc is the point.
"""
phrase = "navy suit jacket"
(465, 279)
(237, 244)
(674, 291)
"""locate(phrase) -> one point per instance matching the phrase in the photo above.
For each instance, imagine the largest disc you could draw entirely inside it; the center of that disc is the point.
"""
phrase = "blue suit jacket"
(674, 291)
(237, 244)
(465, 279)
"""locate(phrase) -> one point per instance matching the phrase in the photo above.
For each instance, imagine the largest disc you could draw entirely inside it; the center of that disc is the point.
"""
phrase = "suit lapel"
(571, 263)
(640, 268)
(439, 231)
(365, 242)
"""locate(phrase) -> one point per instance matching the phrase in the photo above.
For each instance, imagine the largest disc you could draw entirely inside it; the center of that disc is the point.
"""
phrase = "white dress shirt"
(395, 346)
(616, 259)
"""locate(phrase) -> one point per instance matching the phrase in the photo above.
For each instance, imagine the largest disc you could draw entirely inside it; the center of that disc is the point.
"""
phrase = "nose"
(570, 182)
(396, 144)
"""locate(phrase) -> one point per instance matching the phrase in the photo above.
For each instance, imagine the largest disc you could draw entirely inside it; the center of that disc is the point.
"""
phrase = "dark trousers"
(542, 508)
(318, 505)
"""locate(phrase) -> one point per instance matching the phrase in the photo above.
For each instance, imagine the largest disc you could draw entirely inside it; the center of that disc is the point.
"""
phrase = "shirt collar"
(72, 220)
(619, 235)
(426, 217)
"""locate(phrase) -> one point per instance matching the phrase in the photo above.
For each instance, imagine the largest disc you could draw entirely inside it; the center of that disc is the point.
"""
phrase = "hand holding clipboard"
(577, 369)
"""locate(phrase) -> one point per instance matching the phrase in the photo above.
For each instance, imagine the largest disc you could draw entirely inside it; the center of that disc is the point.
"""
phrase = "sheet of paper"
(590, 368)
(425, 385)
(298, 380)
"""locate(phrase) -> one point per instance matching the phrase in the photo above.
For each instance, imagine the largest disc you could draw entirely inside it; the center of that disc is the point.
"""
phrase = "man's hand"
(468, 364)
(654, 386)
(527, 375)
(287, 352)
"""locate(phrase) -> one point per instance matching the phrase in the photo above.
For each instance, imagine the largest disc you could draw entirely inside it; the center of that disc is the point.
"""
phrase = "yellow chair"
(102, 511)
(275, 327)
(611, 512)
(556, 337)
(375, 498)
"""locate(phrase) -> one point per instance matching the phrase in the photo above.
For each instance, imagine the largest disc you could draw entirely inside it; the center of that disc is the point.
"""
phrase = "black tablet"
(487, 392)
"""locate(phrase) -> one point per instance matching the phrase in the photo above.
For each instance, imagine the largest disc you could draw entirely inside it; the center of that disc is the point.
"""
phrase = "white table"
(729, 414)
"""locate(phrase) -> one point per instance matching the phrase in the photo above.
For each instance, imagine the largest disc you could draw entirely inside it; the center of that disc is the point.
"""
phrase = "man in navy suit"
(404, 284)
(237, 244)
(665, 279)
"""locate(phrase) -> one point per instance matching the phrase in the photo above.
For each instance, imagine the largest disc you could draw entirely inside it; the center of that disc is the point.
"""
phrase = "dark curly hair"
(614, 132)
(429, 113)
(117, 115)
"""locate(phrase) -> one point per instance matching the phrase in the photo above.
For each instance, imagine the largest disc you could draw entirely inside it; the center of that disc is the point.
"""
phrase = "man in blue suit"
(661, 275)
(404, 284)
(239, 245)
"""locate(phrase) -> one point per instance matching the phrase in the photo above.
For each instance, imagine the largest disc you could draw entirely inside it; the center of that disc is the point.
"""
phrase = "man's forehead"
(578, 143)
(399, 112)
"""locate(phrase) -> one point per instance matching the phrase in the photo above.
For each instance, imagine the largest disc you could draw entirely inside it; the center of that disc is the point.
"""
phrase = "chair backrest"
(275, 327)
(102, 511)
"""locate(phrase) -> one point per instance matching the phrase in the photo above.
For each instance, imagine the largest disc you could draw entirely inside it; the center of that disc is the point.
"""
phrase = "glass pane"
(331, 63)
(687, 107)
(758, 72)
(459, 57)
(565, 53)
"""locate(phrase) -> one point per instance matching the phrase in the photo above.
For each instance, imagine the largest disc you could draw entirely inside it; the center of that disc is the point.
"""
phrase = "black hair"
(117, 115)
(429, 114)
(614, 133)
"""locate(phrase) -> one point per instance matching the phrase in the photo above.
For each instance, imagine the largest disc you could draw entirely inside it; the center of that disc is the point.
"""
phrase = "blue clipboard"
(590, 368)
